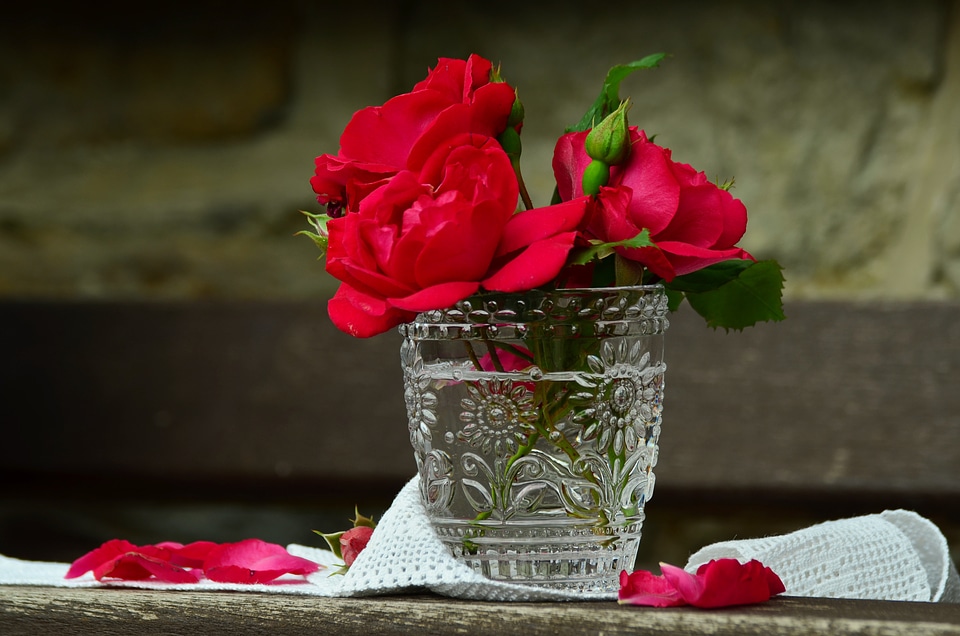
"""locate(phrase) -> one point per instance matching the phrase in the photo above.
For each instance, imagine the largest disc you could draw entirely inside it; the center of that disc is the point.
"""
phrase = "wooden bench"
(28, 611)
(184, 421)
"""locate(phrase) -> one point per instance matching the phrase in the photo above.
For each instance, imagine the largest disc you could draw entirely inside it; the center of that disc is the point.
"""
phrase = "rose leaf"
(609, 98)
(754, 295)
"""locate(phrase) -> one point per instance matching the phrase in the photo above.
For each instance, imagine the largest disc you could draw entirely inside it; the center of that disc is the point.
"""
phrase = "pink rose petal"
(191, 555)
(727, 582)
(109, 551)
(645, 588)
(143, 564)
(363, 316)
(120, 559)
(435, 297)
(537, 265)
(719, 583)
(253, 561)
(530, 226)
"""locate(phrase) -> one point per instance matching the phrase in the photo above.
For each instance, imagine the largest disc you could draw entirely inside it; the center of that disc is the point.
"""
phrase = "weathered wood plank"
(839, 398)
(197, 391)
(32, 610)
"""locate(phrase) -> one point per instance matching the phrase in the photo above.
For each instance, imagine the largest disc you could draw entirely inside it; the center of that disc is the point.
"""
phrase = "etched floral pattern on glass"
(498, 415)
(622, 397)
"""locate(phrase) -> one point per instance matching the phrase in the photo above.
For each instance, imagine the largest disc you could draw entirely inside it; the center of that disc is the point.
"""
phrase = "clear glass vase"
(534, 419)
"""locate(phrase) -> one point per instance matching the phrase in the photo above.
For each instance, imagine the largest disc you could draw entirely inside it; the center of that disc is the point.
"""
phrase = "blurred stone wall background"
(166, 153)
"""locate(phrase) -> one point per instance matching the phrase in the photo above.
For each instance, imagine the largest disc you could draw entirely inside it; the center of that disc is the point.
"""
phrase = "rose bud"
(609, 141)
(595, 175)
(352, 543)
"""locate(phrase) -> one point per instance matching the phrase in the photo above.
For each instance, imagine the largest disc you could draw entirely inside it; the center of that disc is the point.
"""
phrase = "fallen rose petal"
(728, 582)
(139, 565)
(719, 583)
(724, 583)
(191, 555)
(120, 559)
(688, 586)
(253, 561)
(353, 541)
(645, 588)
(109, 551)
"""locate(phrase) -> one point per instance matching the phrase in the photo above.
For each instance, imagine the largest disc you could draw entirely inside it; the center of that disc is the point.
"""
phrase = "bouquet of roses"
(422, 209)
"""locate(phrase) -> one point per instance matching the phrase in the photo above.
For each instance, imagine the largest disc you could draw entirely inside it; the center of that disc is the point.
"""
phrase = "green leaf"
(674, 299)
(609, 98)
(711, 277)
(754, 294)
(583, 255)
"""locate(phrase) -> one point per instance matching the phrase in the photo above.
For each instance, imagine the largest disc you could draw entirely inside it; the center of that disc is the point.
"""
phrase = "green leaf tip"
(734, 294)
(609, 98)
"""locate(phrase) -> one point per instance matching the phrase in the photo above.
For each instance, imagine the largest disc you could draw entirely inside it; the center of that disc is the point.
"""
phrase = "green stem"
(472, 355)
(524, 195)
(523, 450)
(492, 350)
(517, 351)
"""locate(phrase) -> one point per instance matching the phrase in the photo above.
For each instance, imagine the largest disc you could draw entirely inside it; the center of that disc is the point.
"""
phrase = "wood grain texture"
(33, 610)
(839, 398)
(841, 408)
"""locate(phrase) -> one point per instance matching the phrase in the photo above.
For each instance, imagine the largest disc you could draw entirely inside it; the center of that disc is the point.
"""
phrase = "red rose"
(693, 222)
(456, 97)
(425, 241)
(352, 543)
(411, 247)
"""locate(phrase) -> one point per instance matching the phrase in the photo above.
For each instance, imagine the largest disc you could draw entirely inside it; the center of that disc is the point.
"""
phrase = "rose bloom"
(456, 97)
(693, 222)
(426, 240)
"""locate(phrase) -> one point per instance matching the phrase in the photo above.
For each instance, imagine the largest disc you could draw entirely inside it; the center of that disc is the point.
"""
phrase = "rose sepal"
(335, 540)
(320, 238)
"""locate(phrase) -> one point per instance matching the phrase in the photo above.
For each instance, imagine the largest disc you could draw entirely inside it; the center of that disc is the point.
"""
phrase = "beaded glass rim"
(568, 312)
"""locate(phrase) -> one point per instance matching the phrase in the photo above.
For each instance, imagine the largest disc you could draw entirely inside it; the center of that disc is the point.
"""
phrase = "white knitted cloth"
(895, 555)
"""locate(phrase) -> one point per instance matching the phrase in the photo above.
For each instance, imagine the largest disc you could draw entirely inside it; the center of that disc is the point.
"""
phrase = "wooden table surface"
(42, 610)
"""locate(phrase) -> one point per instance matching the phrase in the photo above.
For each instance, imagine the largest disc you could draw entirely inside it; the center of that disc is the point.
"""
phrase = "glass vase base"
(524, 556)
